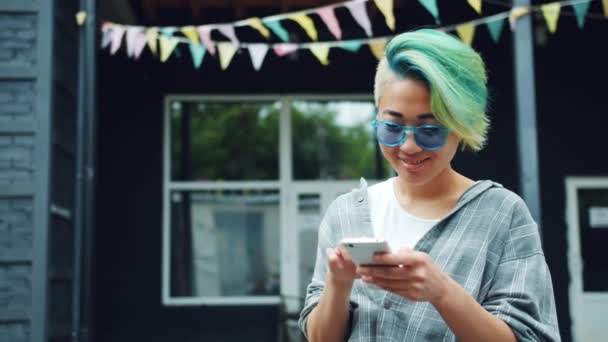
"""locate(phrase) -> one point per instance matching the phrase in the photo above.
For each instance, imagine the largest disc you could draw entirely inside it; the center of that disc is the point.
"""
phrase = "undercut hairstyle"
(454, 74)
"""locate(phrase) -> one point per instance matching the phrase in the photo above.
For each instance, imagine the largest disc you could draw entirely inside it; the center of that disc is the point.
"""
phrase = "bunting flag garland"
(551, 14)
(329, 18)
(377, 47)
(152, 35)
(139, 44)
(106, 35)
(190, 33)
(581, 12)
(257, 24)
(284, 49)
(516, 13)
(307, 24)
(130, 40)
(277, 28)
(117, 34)
(228, 31)
(358, 11)
(205, 36)
(167, 45)
(431, 6)
(226, 52)
(466, 32)
(321, 51)
(198, 53)
(386, 7)
(352, 46)
(495, 28)
(476, 4)
(168, 31)
(258, 53)
(163, 41)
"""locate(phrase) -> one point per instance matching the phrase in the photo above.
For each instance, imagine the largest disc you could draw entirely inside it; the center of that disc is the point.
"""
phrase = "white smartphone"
(362, 250)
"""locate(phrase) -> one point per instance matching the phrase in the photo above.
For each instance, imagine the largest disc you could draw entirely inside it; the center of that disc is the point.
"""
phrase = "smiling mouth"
(414, 162)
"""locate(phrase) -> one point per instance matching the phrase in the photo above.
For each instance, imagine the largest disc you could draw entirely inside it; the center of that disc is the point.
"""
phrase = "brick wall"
(18, 39)
(18, 54)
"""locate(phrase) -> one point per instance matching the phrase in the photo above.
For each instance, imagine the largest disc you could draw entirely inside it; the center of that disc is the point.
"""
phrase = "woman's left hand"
(414, 275)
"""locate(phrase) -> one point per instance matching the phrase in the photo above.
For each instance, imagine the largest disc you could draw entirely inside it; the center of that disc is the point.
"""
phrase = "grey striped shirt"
(489, 244)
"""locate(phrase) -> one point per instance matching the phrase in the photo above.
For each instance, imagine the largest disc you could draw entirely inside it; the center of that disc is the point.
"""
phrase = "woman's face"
(407, 102)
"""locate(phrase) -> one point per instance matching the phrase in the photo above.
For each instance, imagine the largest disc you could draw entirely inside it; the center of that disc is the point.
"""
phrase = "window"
(232, 233)
(333, 140)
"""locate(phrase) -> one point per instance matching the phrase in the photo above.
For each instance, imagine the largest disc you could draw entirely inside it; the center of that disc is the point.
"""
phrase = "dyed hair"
(454, 74)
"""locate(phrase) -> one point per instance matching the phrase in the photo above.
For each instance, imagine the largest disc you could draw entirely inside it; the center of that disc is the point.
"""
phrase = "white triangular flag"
(139, 43)
(257, 53)
(228, 31)
(117, 33)
(358, 11)
(132, 33)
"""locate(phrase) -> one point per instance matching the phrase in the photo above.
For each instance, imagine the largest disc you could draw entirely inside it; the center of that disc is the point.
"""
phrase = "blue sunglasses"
(428, 137)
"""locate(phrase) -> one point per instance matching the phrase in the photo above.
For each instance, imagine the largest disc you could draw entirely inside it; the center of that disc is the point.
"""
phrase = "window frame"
(285, 184)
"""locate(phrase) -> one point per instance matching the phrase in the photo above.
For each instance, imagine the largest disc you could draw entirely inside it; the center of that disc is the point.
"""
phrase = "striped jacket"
(488, 243)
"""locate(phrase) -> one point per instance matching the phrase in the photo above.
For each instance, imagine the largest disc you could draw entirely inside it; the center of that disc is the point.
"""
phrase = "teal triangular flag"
(431, 6)
(352, 46)
(495, 28)
(277, 28)
(198, 52)
(581, 11)
(168, 31)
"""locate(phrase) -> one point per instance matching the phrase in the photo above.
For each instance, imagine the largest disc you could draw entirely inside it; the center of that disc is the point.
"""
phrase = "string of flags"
(163, 41)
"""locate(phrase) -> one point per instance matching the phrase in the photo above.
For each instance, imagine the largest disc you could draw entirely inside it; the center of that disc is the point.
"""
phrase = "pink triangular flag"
(117, 33)
(329, 18)
(139, 43)
(228, 31)
(284, 49)
(205, 34)
(358, 11)
(257, 53)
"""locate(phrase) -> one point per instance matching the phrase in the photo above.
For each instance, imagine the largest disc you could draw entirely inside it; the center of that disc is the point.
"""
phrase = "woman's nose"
(410, 146)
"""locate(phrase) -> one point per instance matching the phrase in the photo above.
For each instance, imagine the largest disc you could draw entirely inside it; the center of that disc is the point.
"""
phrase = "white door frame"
(587, 309)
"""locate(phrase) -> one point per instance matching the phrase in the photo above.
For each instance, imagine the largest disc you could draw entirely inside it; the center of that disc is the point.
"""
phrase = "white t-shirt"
(391, 222)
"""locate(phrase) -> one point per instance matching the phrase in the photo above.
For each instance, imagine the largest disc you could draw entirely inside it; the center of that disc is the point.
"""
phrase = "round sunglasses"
(428, 137)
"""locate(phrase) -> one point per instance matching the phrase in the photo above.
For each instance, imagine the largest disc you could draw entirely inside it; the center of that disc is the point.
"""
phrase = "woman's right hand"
(342, 270)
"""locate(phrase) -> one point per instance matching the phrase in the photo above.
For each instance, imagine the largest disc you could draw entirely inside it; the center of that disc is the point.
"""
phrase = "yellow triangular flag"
(167, 45)
(81, 17)
(191, 33)
(377, 47)
(321, 51)
(386, 7)
(307, 24)
(466, 32)
(152, 34)
(551, 14)
(516, 13)
(476, 4)
(227, 51)
(257, 24)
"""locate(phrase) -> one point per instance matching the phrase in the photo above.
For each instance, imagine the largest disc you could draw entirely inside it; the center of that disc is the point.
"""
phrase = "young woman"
(468, 262)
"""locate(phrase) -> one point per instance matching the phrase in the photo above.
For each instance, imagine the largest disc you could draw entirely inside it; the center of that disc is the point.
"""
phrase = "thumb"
(334, 257)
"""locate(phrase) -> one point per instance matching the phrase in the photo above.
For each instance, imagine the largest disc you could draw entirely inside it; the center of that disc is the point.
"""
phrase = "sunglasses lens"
(431, 137)
(389, 134)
